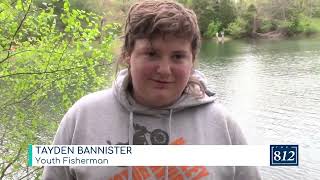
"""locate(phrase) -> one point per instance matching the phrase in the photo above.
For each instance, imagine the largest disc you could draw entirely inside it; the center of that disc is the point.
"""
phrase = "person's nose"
(164, 67)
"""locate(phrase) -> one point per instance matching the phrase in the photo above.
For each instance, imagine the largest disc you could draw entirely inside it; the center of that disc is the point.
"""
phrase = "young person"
(158, 99)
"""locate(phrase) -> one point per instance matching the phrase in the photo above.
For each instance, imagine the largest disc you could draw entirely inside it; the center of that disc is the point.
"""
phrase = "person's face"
(160, 69)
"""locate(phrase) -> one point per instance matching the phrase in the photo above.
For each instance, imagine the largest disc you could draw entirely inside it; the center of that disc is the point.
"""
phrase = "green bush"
(298, 24)
(304, 23)
(237, 28)
(213, 28)
(315, 24)
(267, 26)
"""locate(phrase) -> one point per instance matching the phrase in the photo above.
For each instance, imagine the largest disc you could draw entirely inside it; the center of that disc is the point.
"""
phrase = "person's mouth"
(162, 81)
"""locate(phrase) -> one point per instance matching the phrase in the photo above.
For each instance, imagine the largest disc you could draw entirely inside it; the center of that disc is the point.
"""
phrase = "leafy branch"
(7, 104)
(42, 58)
(51, 72)
(16, 32)
(10, 164)
(10, 5)
(30, 173)
(42, 86)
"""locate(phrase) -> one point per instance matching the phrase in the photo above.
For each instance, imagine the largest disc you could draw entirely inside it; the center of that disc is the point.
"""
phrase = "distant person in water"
(222, 36)
(158, 99)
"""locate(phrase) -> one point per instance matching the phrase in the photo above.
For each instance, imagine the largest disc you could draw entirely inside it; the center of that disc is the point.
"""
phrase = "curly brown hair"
(150, 18)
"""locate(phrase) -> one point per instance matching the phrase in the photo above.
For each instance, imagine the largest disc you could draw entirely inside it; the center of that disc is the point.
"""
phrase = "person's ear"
(127, 59)
(193, 62)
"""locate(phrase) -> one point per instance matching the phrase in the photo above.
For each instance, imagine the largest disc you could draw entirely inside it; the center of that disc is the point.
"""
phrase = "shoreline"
(276, 37)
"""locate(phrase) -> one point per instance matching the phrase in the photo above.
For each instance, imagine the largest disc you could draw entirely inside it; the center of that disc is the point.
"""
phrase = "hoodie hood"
(185, 101)
(126, 100)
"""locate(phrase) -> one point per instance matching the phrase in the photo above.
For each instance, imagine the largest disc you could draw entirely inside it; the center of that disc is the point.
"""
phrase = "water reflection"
(273, 90)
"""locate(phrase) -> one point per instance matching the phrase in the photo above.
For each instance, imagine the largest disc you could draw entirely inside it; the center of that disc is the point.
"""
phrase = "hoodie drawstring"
(169, 125)
(130, 142)
(169, 129)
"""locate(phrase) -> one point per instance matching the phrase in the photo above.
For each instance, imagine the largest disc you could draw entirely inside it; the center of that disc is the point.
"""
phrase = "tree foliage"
(213, 28)
(214, 15)
(112, 10)
(237, 28)
(289, 16)
(205, 12)
(43, 70)
(251, 17)
(225, 12)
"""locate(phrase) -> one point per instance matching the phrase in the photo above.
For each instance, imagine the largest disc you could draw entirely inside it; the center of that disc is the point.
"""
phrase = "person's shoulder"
(97, 96)
(95, 100)
(221, 115)
(220, 110)
(216, 109)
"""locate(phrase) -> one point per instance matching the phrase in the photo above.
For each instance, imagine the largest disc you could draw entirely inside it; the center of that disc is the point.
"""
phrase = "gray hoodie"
(113, 117)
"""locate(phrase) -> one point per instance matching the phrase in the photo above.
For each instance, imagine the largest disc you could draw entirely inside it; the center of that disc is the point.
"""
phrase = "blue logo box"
(284, 155)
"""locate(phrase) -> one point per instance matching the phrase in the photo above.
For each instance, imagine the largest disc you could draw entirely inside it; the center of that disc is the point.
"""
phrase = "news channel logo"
(284, 155)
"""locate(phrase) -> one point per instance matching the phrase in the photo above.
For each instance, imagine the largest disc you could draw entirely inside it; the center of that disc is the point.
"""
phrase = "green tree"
(225, 12)
(205, 12)
(217, 14)
(43, 70)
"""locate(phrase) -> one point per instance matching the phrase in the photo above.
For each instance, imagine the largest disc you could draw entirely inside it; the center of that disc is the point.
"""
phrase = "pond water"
(272, 88)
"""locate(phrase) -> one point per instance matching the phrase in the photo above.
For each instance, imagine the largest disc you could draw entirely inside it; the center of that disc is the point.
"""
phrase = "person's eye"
(151, 53)
(179, 56)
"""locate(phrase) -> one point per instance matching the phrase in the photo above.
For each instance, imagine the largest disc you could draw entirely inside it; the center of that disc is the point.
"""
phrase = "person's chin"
(161, 104)
(160, 93)
(163, 101)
